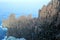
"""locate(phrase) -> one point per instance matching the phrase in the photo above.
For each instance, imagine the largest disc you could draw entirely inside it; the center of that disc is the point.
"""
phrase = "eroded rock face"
(52, 9)
(49, 18)
(12, 19)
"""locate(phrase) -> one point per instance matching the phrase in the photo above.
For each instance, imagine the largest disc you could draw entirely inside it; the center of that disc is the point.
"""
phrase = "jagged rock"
(47, 12)
(45, 27)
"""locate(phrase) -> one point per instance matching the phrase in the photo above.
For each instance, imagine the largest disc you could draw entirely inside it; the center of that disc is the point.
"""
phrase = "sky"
(21, 7)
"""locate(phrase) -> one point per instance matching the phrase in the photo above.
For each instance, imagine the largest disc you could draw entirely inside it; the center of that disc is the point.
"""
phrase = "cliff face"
(52, 9)
(50, 18)
(45, 27)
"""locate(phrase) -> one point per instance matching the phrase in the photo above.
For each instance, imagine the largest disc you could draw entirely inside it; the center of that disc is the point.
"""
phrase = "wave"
(13, 38)
(2, 32)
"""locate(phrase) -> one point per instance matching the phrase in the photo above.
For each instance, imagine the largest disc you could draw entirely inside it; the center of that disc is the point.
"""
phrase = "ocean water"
(3, 36)
(2, 32)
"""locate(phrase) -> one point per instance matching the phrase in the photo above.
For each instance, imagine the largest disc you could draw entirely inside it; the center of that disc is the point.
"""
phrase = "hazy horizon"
(21, 7)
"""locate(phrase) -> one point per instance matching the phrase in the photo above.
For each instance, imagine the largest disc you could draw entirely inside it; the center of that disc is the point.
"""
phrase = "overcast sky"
(21, 7)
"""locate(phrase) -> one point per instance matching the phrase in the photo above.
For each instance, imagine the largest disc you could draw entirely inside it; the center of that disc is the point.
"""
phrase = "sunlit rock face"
(52, 9)
(12, 19)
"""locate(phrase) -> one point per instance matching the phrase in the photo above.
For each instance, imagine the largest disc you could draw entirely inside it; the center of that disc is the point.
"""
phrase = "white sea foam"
(13, 38)
(2, 27)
